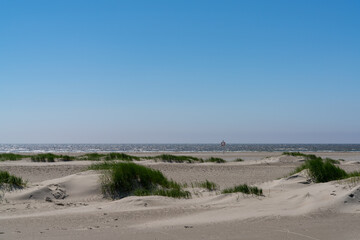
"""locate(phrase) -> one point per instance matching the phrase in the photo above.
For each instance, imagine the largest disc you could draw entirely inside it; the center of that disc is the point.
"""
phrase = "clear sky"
(179, 71)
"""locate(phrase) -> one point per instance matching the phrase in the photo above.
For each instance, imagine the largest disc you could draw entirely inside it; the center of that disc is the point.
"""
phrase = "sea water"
(216, 147)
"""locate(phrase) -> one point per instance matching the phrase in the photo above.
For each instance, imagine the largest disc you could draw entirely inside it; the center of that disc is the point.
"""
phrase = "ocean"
(43, 148)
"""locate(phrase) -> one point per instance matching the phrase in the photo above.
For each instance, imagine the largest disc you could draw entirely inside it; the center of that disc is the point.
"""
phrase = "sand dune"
(72, 206)
(83, 186)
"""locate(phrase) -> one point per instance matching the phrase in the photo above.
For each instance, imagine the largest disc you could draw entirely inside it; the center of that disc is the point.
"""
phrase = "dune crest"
(75, 206)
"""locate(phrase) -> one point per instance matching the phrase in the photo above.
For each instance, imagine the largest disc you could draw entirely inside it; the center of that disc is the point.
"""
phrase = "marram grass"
(177, 159)
(11, 157)
(13, 181)
(215, 160)
(211, 186)
(125, 179)
(239, 160)
(121, 156)
(323, 170)
(244, 188)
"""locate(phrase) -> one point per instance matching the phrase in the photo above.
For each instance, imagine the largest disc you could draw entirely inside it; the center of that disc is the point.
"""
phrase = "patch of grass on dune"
(50, 157)
(13, 181)
(44, 157)
(333, 161)
(309, 156)
(215, 160)
(125, 179)
(11, 157)
(102, 166)
(239, 160)
(107, 157)
(295, 154)
(354, 174)
(177, 159)
(91, 157)
(324, 170)
(299, 154)
(66, 158)
(298, 169)
(211, 186)
(244, 188)
(121, 156)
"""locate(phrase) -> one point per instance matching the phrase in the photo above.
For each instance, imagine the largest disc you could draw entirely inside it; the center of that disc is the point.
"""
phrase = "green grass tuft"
(92, 157)
(173, 192)
(44, 157)
(6, 178)
(310, 156)
(107, 157)
(121, 156)
(125, 179)
(215, 160)
(354, 174)
(102, 166)
(11, 157)
(323, 170)
(211, 186)
(295, 154)
(244, 188)
(177, 159)
(333, 161)
(239, 160)
(66, 158)
(49, 157)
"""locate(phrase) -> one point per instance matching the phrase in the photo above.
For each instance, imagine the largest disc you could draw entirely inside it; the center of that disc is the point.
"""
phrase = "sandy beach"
(63, 200)
(179, 120)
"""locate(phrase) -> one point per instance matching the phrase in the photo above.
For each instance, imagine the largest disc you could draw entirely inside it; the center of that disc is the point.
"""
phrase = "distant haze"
(179, 71)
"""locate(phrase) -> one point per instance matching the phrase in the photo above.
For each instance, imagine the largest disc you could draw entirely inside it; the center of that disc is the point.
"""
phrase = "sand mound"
(284, 159)
(36, 211)
(84, 186)
(291, 196)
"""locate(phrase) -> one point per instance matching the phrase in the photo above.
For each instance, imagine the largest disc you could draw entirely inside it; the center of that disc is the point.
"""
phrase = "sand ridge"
(72, 206)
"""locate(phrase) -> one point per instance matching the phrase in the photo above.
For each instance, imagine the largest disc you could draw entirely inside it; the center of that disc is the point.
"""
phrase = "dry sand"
(290, 208)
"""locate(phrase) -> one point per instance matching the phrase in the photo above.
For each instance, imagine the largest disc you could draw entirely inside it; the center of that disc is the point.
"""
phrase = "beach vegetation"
(123, 179)
(239, 160)
(121, 156)
(66, 158)
(354, 174)
(295, 154)
(11, 180)
(177, 159)
(215, 160)
(333, 161)
(310, 156)
(324, 170)
(102, 166)
(107, 157)
(11, 157)
(211, 186)
(92, 157)
(244, 188)
(50, 157)
(44, 157)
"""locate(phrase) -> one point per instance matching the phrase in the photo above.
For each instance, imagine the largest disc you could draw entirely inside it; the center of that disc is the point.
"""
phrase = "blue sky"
(179, 71)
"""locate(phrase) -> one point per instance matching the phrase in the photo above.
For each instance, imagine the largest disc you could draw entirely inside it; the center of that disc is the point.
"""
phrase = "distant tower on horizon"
(223, 143)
